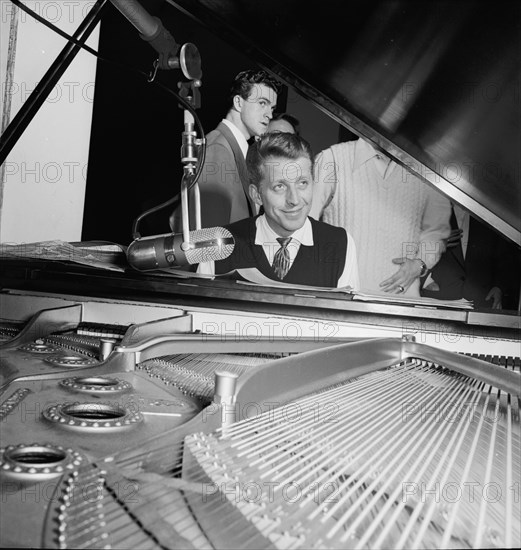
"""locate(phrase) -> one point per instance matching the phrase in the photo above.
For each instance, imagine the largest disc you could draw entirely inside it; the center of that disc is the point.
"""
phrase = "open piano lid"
(436, 84)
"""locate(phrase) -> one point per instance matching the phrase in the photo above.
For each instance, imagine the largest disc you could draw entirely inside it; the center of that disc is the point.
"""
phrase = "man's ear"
(238, 102)
(255, 195)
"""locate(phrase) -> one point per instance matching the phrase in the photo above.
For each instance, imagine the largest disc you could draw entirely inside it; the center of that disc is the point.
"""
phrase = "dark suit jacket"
(489, 261)
(223, 184)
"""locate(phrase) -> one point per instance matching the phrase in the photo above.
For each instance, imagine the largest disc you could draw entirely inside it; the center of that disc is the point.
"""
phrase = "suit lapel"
(240, 162)
(457, 250)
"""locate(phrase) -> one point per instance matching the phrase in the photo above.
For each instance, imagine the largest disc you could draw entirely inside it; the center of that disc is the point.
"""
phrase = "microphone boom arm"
(151, 30)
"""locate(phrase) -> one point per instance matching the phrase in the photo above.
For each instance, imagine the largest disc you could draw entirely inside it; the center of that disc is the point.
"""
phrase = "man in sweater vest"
(283, 243)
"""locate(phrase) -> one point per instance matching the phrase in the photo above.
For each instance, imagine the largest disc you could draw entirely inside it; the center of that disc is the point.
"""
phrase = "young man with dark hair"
(283, 243)
(223, 182)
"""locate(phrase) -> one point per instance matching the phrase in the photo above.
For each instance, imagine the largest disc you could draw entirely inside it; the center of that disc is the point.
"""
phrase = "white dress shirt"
(238, 135)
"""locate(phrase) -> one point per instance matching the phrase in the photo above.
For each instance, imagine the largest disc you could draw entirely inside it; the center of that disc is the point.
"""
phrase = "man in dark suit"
(284, 243)
(223, 182)
(478, 265)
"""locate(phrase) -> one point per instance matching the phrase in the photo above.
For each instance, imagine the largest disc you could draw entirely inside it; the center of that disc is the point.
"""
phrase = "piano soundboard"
(121, 434)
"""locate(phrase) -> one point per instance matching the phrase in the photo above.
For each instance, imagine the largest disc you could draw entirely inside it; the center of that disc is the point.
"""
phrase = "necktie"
(281, 258)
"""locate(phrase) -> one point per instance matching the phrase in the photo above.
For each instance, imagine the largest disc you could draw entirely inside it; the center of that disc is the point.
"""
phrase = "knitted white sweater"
(389, 211)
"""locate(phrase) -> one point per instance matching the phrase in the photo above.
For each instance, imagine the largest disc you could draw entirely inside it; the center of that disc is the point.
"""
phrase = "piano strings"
(376, 453)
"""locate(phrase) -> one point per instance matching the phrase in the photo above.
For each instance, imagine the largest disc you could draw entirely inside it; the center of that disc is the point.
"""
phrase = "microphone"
(151, 30)
(171, 249)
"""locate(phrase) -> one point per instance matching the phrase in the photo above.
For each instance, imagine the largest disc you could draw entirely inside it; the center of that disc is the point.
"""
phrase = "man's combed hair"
(271, 145)
(245, 80)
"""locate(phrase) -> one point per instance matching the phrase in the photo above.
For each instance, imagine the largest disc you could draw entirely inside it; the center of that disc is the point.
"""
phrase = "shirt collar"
(265, 233)
(241, 140)
(364, 151)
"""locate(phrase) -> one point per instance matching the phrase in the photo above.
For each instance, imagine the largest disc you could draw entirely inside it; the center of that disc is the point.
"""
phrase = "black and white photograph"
(260, 274)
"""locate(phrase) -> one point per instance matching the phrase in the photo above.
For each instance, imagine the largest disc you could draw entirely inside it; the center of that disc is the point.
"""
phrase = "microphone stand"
(189, 91)
(190, 247)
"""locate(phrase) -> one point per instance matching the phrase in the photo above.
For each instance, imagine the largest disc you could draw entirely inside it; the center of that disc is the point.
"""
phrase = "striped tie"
(281, 258)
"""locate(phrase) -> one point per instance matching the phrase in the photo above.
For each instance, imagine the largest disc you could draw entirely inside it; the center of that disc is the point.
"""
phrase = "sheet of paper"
(253, 276)
(98, 254)
(412, 300)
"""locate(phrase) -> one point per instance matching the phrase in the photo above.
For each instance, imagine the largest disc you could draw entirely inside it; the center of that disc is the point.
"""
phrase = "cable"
(184, 103)
(174, 199)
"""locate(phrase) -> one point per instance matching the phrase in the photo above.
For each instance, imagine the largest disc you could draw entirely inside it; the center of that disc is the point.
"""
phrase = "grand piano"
(142, 410)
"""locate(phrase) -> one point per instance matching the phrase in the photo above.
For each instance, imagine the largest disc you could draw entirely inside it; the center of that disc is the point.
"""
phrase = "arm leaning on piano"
(350, 276)
(434, 232)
